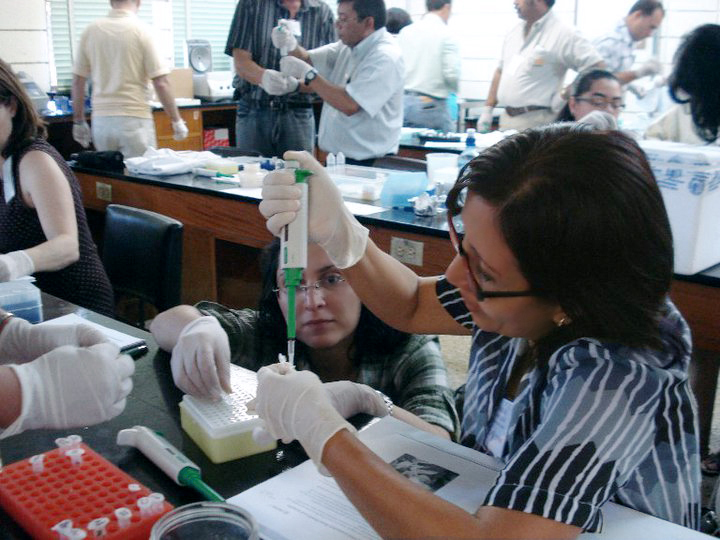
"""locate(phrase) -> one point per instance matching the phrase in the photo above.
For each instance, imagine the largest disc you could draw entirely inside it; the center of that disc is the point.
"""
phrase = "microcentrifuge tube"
(340, 161)
(63, 443)
(98, 527)
(134, 487)
(76, 534)
(330, 162)
(63, 528)
(123, 516)
(157, 500)
(37, 463)
(74, 440)
(145, 505)
(75, 455)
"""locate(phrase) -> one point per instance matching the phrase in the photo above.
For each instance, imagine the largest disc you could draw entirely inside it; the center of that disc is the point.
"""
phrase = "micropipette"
(293, 253)
(168, 458)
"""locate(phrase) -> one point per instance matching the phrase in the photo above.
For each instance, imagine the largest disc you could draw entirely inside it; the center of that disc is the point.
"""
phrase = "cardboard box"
(689, 180)
(181, 81)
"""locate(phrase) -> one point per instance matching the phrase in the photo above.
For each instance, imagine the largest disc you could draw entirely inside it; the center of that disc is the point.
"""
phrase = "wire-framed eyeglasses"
(456, 230)
(601, 101)
(327, 283)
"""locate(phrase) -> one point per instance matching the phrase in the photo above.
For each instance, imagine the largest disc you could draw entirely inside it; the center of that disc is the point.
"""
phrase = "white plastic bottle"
(340, 161)
(470, 149)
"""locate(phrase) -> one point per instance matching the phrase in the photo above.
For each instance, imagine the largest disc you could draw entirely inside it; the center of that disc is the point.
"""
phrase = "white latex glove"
(295, 406)
(330, 223)
(283, 39)
(200, 360)
(14, 265)
(650, 67)
(180, 130)
(601, 120)
(277, 84)
(484, 123)
(72, 387)
(21, 341)
(294, 67)
(81, 134)
(351, 398)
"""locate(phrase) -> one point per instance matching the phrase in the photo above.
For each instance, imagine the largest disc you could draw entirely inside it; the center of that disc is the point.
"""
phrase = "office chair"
(142, 255)
(232, 151)
(400, 163)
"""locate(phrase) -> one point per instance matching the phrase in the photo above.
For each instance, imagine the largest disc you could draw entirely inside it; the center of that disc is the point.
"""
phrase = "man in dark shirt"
(272, 116)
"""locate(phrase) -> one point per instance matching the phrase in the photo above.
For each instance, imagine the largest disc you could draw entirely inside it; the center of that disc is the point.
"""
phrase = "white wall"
(24, 38)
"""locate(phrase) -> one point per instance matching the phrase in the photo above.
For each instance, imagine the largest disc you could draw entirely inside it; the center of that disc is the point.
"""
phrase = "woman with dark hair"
(43, 227)
(578, 374)
(594, 90)
(338, 338)
(695, 85)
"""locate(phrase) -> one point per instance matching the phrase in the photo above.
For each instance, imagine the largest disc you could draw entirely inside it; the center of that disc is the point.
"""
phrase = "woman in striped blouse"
(578, 369)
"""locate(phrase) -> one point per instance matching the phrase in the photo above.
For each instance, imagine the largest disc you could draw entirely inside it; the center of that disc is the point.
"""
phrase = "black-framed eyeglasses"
(603, 102)
(455, 223)
(327, 283)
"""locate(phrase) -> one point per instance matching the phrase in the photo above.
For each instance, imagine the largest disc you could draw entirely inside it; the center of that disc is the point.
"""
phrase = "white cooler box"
(689, 179)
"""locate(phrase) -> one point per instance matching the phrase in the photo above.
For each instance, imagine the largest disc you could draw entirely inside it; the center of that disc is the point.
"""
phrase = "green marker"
(293, 252)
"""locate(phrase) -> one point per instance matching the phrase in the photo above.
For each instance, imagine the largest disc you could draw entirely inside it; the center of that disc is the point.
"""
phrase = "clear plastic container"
(206, 520)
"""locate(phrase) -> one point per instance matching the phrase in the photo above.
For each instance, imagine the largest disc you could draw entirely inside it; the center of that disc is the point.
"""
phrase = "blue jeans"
(271, 130)
(426, 112)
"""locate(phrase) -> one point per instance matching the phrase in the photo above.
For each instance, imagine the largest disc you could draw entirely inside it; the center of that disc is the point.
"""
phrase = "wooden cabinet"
(163, 129)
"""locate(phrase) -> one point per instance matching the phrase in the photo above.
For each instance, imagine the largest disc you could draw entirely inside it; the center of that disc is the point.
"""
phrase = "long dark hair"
(372, 338)
(582, 84)
(696, 75)
(26, 124)
(582, 213)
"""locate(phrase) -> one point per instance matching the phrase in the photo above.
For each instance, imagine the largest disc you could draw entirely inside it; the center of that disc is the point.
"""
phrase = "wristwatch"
(310, 76)
(388, 402)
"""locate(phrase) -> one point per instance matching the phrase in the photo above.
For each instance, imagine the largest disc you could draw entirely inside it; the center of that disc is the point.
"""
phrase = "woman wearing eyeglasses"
(594, 90)
(577, 376)
(337, 338)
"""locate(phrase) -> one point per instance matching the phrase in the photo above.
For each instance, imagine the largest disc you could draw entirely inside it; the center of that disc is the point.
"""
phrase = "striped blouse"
(599, 422)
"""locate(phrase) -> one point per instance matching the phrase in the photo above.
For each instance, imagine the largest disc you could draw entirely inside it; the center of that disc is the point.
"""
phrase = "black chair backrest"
(232, 151)
(400, 163)
(142, 254)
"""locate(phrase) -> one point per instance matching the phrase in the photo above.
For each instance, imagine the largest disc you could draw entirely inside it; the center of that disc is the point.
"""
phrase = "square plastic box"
(22, 298)
(223, 429)
(689, 180)
(361, 183)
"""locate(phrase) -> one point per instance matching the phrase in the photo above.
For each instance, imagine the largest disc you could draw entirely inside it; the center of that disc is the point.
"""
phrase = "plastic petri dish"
(206, 520)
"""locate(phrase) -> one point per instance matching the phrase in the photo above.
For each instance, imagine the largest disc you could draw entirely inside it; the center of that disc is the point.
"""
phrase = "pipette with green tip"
(168, 458)
(293, 253)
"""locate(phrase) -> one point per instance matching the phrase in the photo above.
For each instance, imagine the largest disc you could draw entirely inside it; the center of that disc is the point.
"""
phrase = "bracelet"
(388, 402)
(5, 319)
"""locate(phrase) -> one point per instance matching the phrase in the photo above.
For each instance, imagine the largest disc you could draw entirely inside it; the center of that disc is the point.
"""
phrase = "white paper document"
(122, 340)
(302, 504)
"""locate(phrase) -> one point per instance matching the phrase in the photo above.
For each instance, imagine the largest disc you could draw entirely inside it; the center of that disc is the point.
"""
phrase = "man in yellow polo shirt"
(118, 54)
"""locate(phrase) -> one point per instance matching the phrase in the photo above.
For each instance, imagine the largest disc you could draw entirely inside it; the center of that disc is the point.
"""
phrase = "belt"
(516, 111)
(276, 104)
(414, 93)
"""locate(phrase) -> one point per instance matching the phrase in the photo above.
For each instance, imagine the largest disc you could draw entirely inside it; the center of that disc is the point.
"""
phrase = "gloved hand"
(283, 38)
(180, 130)
(330, 223)
(14, 265)
(72, 387)
(600, 120)
(81, 134)
(200, 359)
(650, 67)
(484, 123)
(294, 67)
(21, 341)
(295, 405)
(351, 398)
(277, 84)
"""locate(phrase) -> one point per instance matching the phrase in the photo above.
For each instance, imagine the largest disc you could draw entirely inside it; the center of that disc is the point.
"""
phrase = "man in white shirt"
(360, 79)
(119, 54)
(536, 55)
(432, 67)
(618, 47)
